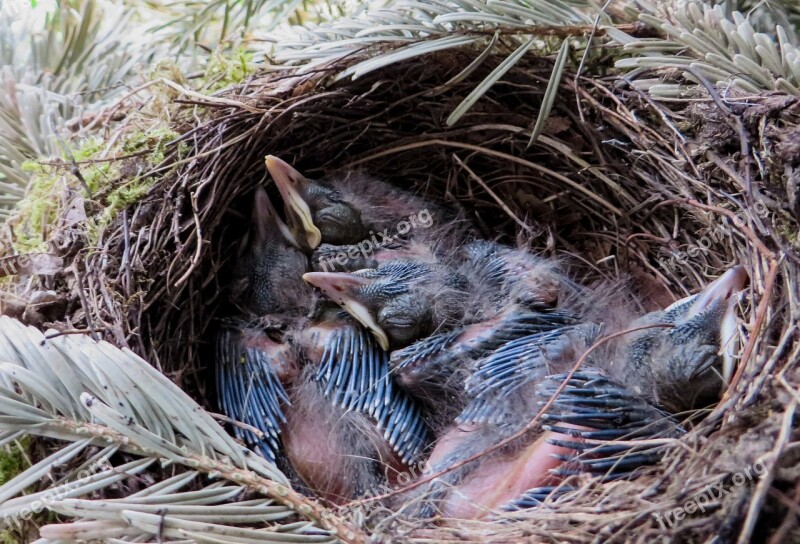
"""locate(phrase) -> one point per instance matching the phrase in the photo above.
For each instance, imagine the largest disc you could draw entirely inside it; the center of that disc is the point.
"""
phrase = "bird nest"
(667, 194)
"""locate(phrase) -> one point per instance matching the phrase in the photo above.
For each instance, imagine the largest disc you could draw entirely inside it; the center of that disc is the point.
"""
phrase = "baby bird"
(350, 428)
(251, 370)
(435, 369)
(267, 278)
(451, 312)
(355, 209)
(413, 293)
(510, 275)
(401, 300)
(314, 382)
(672, 360)
(251, 365)
(518, 294)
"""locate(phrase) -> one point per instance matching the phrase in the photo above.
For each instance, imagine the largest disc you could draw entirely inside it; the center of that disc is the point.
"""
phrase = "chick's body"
(303, 373)
(350, 429)
(442, 313)
(669, 360)
(512, 294)
(252, 362)
(339, 454)
(482, 332)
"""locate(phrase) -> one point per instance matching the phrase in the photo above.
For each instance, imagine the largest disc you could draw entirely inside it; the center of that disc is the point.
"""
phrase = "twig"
(497, 199)
(236, 423)
(765, 482)
(760, 317)
(126, 252)
(74, 169)
(499, 154)
(56, 334)
(84, 302)
(210, 100)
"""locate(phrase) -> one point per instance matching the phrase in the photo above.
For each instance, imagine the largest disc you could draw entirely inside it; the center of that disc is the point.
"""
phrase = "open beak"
(724, 289)
(290, 182)
(340, 288)
(265, 216)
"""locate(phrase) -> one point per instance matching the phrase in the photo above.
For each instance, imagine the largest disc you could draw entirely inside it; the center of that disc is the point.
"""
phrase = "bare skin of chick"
(339, 454)
(349, 429)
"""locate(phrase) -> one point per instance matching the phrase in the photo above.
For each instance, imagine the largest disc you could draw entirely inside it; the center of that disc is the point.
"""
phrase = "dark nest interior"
(666, 194)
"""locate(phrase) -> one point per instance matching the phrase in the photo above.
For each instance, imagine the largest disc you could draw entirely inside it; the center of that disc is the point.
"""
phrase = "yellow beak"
(336, 285)
(288, 180)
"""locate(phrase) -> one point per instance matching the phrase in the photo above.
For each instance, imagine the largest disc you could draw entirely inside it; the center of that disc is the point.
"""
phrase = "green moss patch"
(114, 184)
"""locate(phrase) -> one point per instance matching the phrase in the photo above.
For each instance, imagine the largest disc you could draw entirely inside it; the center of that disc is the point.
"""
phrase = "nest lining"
(617, 182)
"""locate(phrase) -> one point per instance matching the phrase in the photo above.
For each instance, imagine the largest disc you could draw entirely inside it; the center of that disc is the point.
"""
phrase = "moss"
(127, 192)
(39, 209)
(229, 68)
(31, 167)
(12, 463)
(788, 231)
(12, 460)
(184, 149)
(116, 201)
(89, 149)
(155, 139)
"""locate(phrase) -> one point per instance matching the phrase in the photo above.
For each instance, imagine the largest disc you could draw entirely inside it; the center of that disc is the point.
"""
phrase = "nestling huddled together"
(376, 339)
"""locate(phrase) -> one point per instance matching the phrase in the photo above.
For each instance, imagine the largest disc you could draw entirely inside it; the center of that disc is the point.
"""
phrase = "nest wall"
(668, 194)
